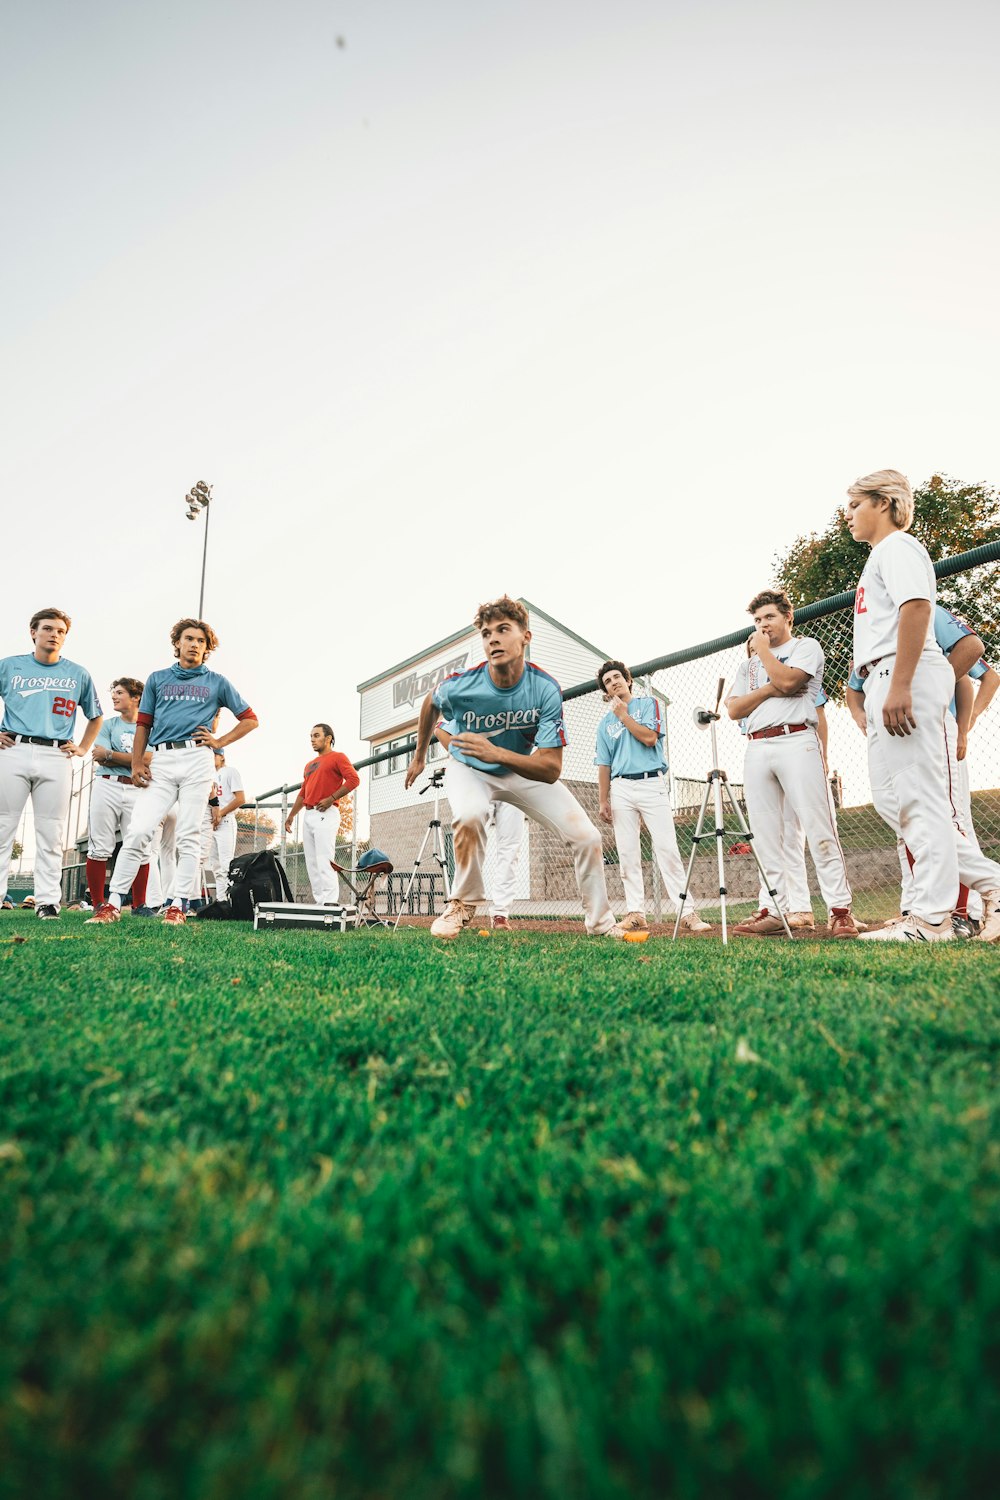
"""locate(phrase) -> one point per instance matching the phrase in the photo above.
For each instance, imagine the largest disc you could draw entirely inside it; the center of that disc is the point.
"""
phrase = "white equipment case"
(271, 915)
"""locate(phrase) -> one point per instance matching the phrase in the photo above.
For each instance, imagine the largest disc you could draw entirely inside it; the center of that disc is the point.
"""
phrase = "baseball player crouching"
(178, 705)
(632, 788)
(908, 685)
(776, 690)
(505, 718)
(113, 793)
(41, 693)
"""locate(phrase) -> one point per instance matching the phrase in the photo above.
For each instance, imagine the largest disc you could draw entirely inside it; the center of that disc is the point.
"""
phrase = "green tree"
(949, 517)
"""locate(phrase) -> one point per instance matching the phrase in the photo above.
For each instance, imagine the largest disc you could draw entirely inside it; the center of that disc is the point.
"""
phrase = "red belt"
(114, 778)
(869, 667)
(769, 734)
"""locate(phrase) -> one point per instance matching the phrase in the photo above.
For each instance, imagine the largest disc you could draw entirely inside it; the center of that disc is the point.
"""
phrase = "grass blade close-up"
(294, 1215)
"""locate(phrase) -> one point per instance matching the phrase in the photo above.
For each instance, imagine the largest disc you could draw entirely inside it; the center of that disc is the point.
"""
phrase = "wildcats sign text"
(418, 684)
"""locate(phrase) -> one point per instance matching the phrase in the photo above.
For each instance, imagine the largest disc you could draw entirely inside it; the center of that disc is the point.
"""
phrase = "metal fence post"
(284, 818)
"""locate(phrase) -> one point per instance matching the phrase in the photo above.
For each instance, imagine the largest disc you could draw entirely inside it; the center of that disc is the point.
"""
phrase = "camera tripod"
(716, 783)
(432, 832)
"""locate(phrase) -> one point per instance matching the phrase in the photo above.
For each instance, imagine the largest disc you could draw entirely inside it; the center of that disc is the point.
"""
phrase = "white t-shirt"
(806, 655)
(227, 781)
(899, 569)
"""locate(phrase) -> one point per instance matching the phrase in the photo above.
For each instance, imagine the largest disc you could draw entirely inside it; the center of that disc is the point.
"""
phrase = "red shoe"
(842, 925)
(501, 924)
(104, 914)
(174, 916)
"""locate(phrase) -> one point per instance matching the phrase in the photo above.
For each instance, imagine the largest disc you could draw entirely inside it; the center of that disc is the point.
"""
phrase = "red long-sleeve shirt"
(326, 775)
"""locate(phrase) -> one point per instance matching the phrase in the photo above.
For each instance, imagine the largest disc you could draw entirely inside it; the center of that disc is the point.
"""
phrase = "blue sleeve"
(104, 735)
(649, 715)
(822, 700)
(89, 701)
(231, 699)
(441, 700)
(602, 750)
(551, 731)
(978, 669)
(147, 703)
(856, 682)
(947, 630)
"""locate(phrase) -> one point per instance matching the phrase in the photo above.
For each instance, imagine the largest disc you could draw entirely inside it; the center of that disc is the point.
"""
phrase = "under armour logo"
(884, 672)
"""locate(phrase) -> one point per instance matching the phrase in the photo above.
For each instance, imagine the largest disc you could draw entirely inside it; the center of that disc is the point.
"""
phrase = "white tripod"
(715, 783)
(433, 832)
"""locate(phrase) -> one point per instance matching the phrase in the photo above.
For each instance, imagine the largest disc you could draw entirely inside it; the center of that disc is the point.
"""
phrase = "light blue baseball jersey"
(42, 698)
(178, 700)
(115, 735)
(518, 718)
(948, 631)
(620, 750)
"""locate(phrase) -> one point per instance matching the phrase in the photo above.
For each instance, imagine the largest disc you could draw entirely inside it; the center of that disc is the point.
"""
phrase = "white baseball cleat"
(911, 929)
(989, 932)
(691, 922)
(456, 915)
(801, 921)
(632, 921)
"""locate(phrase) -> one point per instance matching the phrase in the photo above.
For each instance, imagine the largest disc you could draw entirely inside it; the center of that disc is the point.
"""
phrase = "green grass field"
(305, 1216)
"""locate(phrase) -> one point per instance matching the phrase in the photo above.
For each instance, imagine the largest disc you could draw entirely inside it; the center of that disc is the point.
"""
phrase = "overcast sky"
(600, 304)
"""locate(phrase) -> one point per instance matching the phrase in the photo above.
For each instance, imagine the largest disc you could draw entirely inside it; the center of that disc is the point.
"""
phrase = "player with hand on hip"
(227, 798)
(632, 790)
(113, 792)
(776, 690)
(908, 685)
(178, 705)
(505, 718)
(41, 694)
(327, 779)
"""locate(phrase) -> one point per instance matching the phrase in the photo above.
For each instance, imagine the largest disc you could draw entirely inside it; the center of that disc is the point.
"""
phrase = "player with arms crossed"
(505, 718)
(908, 685)
(41, 693)
(632, 790)
(327, 779)
(113, 794)
(776, 690)
(178, 706)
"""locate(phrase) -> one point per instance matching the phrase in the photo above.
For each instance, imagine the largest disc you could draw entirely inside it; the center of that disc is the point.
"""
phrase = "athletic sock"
(962, 907)
(139, 885)
(97, 870)
(115, 900)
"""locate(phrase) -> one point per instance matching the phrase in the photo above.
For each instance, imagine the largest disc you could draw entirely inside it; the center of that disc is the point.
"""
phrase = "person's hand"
(479, 746)
(325, 803)
(203, 736)
(604, 812)
(758, 639)
(897, 711)
(98, 754)
(71, 751)
(618, 708)
(414, 770)
(6, 740)
(216, 816)
(288, 824)
(861, 722)
(142, 775)
(963, 744)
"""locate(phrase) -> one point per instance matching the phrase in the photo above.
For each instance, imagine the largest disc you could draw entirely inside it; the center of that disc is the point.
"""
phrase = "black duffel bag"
(252, 878)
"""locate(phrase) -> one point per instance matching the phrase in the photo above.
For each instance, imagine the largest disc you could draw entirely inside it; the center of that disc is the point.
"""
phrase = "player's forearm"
(239, 731)
(744, 703)
(783, 678)
(914, 616)
(640, 732)
(604, 784)
(297, 807)
(91, 732)
(984, 696)
(964, 697)
(425, 725)
(238, 800)
(541, 765)
(856, 707)
(139, 747)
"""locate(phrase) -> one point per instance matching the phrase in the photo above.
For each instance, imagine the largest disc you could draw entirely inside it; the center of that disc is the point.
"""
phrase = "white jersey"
(899, 569)
(227, 781)
(804, 654)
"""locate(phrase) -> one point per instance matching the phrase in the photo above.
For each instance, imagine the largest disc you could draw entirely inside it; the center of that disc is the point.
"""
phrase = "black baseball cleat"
(47, 913)
(964, 927)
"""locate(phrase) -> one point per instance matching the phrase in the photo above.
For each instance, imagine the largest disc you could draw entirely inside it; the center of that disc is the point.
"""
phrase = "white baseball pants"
(41, 772)
(975, 869)
(162, 862)
(319, 845)
(549, 803)
(632, 804)
(910, 781)
(793, 862)
(223, 850)
(788, 772)
(112, 803)
(508, 829)
(181, 778)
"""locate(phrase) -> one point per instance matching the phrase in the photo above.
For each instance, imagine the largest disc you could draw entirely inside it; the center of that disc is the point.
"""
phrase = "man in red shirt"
(327, 778)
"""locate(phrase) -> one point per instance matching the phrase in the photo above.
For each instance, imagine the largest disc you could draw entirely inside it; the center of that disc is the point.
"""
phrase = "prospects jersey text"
(178, 700)
(517, 718)
(41, 698)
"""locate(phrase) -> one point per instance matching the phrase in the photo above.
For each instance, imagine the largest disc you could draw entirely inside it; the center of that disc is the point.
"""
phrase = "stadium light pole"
(198, 499)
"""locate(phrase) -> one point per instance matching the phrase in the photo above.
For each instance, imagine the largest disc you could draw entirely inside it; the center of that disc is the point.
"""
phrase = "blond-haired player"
(505, 718)
(908, 685)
